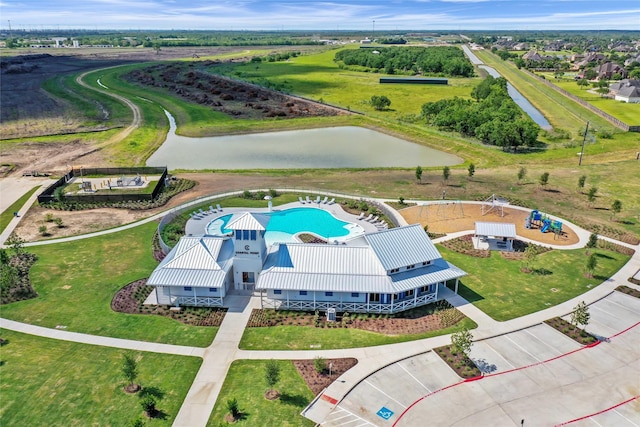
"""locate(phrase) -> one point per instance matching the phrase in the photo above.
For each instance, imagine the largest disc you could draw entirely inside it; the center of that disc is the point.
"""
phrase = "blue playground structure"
(541, 220)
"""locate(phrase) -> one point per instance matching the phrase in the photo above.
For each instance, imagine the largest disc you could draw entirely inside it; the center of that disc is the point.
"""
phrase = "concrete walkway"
(218, 357)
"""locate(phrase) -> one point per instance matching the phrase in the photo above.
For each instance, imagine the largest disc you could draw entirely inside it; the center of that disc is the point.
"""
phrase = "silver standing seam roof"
(349, 268)
(195, 261)
(496, 229)
(249, 221)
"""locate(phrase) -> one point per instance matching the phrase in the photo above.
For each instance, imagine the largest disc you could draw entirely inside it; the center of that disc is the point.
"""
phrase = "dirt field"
(455, 217)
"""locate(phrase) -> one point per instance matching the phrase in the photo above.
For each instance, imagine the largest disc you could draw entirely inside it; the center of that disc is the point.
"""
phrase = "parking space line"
(631, 422)
(501, 356)
(358, 418)
(544, 342)
(521, 348)
(626, 307)
(411, 375)
(367, 381)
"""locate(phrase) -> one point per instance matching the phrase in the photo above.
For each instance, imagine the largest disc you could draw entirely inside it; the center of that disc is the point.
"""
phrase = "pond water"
(522, 102)
(335, 147)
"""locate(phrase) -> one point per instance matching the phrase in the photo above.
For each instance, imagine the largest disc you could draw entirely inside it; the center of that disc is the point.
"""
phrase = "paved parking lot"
(535, 374)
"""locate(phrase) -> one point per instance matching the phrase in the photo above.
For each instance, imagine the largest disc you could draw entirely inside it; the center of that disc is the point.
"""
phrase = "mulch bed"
(462, 365)
(464, 245)
(428, 318)
(130, 300)
(573, 332)
(319, 381)
(629, 291)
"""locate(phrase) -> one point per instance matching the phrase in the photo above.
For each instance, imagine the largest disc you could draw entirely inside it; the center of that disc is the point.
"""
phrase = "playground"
(455, 216)
(136, 182)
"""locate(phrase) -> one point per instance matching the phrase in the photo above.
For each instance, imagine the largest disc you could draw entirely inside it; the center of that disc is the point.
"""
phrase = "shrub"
(320, 364)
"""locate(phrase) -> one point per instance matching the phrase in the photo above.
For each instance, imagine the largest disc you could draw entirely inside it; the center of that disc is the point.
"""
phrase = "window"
(253, 234)
(355, 295)
(303, 292)
(394, 270)
(426, 263)
(238, 234)
(248, 277)
(409, 267)
(214, 290)
(188, 288)
(245, 234)
(328, 294)
(410, 292)
(374, 297)
(277, 291)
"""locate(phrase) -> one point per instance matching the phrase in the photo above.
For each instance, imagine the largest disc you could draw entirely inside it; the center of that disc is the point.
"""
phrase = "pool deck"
(197, 226)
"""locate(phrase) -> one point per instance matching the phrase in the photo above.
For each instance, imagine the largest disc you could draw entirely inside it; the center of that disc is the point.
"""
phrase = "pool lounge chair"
(200, 211)
(301, 201)
(361, 215)
(324, 201)
(332, 201)
(308, 199)
(219, 207)
(211, 209)
(369, 218)
(317, 200)
(374, 219)
(196, 215)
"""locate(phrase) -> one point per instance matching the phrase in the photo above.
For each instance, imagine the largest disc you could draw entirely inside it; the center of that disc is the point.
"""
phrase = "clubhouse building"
(386, 271)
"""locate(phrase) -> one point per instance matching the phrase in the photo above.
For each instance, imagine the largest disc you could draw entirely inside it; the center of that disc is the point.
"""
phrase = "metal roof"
(195, 261)
(416, 247)
(249, 221)
(496, 229)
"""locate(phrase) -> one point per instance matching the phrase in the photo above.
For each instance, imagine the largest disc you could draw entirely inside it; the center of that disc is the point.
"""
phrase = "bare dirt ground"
(455, 217)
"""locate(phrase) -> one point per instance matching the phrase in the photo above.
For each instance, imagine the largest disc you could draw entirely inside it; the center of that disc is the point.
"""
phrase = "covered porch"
(494, 236)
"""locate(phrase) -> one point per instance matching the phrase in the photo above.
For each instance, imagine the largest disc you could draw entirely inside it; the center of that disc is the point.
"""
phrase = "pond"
(335, 147)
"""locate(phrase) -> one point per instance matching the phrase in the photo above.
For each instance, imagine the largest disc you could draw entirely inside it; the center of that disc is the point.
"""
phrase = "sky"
(387, 15)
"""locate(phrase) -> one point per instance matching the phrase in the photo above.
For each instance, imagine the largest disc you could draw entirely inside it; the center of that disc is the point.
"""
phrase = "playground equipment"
(494, 202)
(545, 223)
(444, 209)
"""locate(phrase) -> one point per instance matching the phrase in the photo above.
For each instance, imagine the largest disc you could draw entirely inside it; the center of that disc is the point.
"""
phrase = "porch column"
(457, 279)
(195, 296)
(415, 296)
(261, 298)
(314, 300)
(158, 294)
(288, 299)
(437, 286)
(391, 308)
(169, 289)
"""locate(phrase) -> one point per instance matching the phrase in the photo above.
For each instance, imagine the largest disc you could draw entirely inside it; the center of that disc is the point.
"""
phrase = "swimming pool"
(285, 224)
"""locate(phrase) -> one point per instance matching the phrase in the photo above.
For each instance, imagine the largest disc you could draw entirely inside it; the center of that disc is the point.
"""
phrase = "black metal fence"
(48, 195)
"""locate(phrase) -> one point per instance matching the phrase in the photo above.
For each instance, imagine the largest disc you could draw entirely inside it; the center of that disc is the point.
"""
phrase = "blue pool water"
(287, 223)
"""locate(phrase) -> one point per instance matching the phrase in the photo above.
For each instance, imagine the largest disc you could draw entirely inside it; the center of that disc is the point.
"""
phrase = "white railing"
(351, 307)
(200, 301)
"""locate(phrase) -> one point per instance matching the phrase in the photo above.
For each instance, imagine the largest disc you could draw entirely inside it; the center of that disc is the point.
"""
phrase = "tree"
(581, 182)
(583, 83)
(16, 243)
(521, 174)
(591, 194)
(593, 241)
(446, 173)
(471, 170)
(380, 103)
(419, 174)
(58, 222)
(272, 374)
(580, 315)
(462, 341)
(602, 91)
(616, 207)
(138, 422)
(130, 372)
(42, 230)
(530, 255)
(234, 410)
(590, 265)
(544, 179)
(148, 404)
(320, 364)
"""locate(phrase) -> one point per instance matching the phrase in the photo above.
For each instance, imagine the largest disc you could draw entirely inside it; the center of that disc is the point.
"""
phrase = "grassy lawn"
(497, 287)
(76, 281)
(309, 337)
(7, 215)
(627, 112)
(59, 383)
(245, 382)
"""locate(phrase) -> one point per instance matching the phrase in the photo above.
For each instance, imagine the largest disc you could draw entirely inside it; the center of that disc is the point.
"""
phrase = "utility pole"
(584, 140)
(373, 35)
(9, 20)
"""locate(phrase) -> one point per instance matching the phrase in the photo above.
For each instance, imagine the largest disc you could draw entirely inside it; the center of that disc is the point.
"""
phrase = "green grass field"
(59, 383)
(308, 337)
(497, 287)
(245, 382)
(76, 281)
(7, 215)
